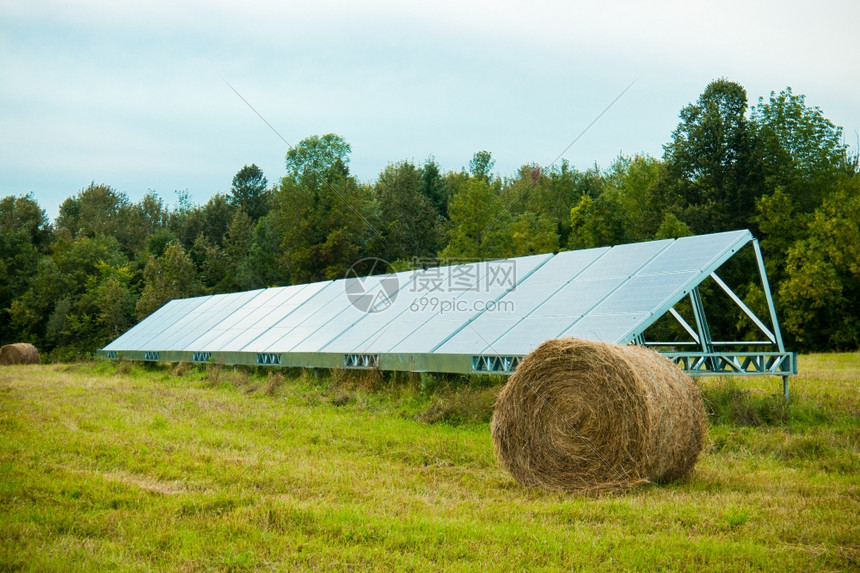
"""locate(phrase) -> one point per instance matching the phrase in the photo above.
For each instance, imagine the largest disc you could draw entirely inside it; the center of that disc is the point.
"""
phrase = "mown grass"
(130, 467)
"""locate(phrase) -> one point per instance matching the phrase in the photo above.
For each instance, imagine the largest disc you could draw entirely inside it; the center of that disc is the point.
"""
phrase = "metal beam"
(735, 363)
(744, 307)
(768, 296)
(701, 320)
(685, 324)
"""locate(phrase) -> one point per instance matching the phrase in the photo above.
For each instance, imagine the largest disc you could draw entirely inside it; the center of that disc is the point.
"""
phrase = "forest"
(778, 167)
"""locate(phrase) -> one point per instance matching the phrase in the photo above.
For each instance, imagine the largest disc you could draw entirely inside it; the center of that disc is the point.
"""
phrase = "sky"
(137, 95)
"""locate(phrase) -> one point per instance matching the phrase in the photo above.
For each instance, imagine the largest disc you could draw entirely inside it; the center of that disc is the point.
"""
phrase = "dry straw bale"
(580, 415)
(19, 353)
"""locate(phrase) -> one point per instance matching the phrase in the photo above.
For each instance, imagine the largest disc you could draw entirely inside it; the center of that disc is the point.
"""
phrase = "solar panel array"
(493, 308)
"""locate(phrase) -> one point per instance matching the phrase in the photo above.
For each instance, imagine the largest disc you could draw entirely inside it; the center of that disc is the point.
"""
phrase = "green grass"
(128, 467)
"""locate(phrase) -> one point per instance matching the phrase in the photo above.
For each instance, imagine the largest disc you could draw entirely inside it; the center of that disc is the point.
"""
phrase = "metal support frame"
(702, 326)
(769, 297)
(745, 363)
(495, 364)
(708, 361)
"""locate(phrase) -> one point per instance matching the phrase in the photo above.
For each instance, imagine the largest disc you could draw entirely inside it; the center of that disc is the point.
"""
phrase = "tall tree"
(313, 158)
(597, 222)
(714, 160)
(409, 225)
(230, 268)
(481, 165)
(803, 152)
(323, 212)
(434, 187)
(265, 262)
(95, 210)
(532, 234)
(23, 214)
(634, 183)
(144, 219)
(550, 193)
(24, 235)
(249, 191)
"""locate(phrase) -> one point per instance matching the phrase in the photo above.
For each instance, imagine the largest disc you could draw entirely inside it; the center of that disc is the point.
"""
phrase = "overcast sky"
(134, 95)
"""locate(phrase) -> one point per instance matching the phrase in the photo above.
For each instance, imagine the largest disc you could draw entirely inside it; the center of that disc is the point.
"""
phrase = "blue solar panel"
(505, 307)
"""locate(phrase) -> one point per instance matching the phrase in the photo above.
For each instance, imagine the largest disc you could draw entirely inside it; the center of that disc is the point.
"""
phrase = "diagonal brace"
(685, 324)
(744, 308)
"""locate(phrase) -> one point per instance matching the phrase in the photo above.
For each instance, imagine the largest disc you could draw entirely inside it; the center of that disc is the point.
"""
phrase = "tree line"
(779, 168)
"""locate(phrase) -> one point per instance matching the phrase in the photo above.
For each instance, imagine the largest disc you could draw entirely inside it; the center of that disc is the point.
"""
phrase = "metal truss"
(731, 363)
(361, 360)
(495, 364)
(707, 360)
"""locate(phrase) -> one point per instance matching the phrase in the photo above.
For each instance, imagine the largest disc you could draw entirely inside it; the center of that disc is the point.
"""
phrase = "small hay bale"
(588, 416)
(19, 353)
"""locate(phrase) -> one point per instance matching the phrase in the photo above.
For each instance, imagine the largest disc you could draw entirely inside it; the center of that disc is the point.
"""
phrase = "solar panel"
(505, 307)
(488, 283)
(250, 321)
(156, 324)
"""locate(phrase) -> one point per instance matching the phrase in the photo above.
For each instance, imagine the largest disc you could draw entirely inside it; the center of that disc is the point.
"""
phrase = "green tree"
(237, 245)
(480, 224)
(409, 224)
(780, 226)
(143, 219)
(211, 220)
(19, 260)
(434, 187)
(54, 309)
(672, 228)
(23, 214)
(114, 303)
(210, 262)
(103, 309)
(95, 210)
(820, 298)
(265, 259)
(597, 222)
(249, 191)
(552, 193)
(532, 234)
(714, 160)
(803, 152)
(227, 269)
(157, 242)
(24, 235)
(634, 183)
(481, 164)
(324, 214)
(313, 158)
(101, 210)
(172, 275)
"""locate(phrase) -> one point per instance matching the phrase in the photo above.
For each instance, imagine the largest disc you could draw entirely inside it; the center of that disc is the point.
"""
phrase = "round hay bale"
(580, 415)
(19, 353)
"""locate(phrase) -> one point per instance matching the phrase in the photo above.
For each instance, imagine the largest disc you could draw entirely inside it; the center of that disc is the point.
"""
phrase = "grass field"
(128, 467)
